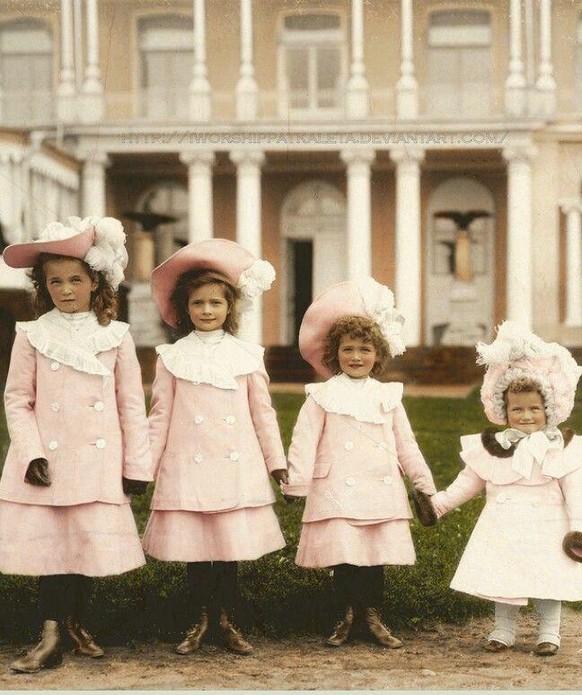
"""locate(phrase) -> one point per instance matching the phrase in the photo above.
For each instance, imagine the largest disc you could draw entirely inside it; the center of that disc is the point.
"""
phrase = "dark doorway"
(302, 289)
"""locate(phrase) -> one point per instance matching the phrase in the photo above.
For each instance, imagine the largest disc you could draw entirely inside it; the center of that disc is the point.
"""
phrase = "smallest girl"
(527, 542)
(351, 446)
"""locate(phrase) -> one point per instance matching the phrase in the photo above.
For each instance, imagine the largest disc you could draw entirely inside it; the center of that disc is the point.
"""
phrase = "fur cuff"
(423, 508)
(572, 545)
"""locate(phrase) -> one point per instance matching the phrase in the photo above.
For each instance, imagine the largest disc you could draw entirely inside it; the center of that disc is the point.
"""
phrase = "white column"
(519, 305)
(200, 215)
(546, 83)
(248, 226)
(66, 87)
(407, 86)
(408, 278)
(7, 194)
(359, 219)
(358, 91)
(92, 89)
(572, 208)
(246, 88)
(200, 107)
(515, 93)
(93, 196)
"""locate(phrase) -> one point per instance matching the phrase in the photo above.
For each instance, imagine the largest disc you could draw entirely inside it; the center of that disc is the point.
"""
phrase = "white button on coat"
(348, 446)
(55, 407)
(98, 406)
(198, 419)
(350, 482)
(230, 419)
(198, 458)
(387, 480)
(234, 456)
(501, 498)
(55, 366)
(100, 444)
(52, 445)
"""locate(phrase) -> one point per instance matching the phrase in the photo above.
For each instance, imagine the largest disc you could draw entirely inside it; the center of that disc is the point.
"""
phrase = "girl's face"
(525, 411)
(356, 357)
(208, 307)
(69, 284)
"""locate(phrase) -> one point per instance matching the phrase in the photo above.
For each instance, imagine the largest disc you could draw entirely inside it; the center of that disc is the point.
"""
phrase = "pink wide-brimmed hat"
(516, 352)
(363, 297)
(100, 242)
(251, 275)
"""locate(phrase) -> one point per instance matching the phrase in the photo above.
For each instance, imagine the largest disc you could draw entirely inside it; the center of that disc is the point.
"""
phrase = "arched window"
(578, 67)
(26, 72)
(311, 65)
(166, 55)
(459, 64)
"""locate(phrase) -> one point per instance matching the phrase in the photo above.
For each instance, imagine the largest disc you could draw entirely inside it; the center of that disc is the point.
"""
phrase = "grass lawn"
(279, 597)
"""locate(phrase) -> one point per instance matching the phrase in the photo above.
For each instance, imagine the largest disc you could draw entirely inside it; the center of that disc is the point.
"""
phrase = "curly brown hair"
(523, 384)
(194, 279)
(103, 299)
(362, 328)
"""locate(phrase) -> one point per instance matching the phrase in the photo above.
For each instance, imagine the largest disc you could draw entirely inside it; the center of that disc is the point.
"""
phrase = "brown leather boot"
(194, 636)
(232, 638)
(342, 630)
(379, 631)
(85, 645)
(46, 654)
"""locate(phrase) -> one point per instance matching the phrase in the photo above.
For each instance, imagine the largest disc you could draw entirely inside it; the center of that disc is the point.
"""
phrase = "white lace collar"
(217, 361)
(74, 342)
(366, 400)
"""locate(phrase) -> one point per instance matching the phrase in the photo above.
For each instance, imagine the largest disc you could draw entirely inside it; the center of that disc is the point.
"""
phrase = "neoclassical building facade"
(435, 145)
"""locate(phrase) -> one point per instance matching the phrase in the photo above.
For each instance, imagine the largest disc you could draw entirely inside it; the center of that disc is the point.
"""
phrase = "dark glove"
(290, 498)
(134, 487)
(423, 508)
(280, 476)
(572, 545)
(37, 473)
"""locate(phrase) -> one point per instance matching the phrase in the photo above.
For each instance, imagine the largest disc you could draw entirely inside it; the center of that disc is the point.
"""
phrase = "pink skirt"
(337, 541)
(187, 536)
(94, 539)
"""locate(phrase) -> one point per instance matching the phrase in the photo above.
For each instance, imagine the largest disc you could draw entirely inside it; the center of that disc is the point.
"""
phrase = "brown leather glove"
(423, 508)
(134, 487)
(37, 473)
(279, 475)
(572, 545)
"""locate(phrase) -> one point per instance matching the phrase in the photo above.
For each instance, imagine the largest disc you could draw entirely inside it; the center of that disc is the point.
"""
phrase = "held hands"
(37, 473)
(280, 477)
(423, 508)
(134, 487)
(572, 545)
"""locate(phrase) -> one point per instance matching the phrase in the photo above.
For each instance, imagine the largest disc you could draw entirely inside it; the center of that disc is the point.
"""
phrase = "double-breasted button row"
(350, 481)
(99, 406)
(233, 456)
(229, 419)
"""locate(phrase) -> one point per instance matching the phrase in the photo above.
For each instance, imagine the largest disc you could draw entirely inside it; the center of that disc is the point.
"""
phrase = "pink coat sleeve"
(303, 449)
(163, 391)
(410, 457)
(571, 485)
(20, 401)
(466, 485)
(265, 420)
(132, 414)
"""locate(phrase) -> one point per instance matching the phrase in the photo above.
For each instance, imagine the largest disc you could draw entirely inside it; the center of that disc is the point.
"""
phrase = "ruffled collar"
(74, 340)
(366, 400)
(211, 359)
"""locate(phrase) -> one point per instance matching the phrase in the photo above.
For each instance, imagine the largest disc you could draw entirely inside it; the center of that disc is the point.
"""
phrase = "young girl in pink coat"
(78, 431)
(213, 432)
(351, 447)
(527, 542)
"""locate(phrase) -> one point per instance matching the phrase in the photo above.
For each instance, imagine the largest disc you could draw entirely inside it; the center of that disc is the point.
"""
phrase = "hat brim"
(25, 254)
(223, 255)
(342, 299)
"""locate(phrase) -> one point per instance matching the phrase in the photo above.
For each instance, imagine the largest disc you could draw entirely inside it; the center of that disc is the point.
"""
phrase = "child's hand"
(134, 487)
(424, 509)
(290, 498)
(37, 473)
(572, 545)
(280, 476)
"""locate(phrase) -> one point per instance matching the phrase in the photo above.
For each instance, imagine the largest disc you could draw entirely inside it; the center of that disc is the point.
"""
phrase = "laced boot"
(85, 645)
(194, 636)
(46, 654)
(232, 638)
(342, 630)
(379, 631)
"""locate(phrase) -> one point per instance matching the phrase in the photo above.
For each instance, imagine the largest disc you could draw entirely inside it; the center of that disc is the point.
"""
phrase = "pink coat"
(91, 427)
(352, 469)
(515, 550)
(213, 448)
